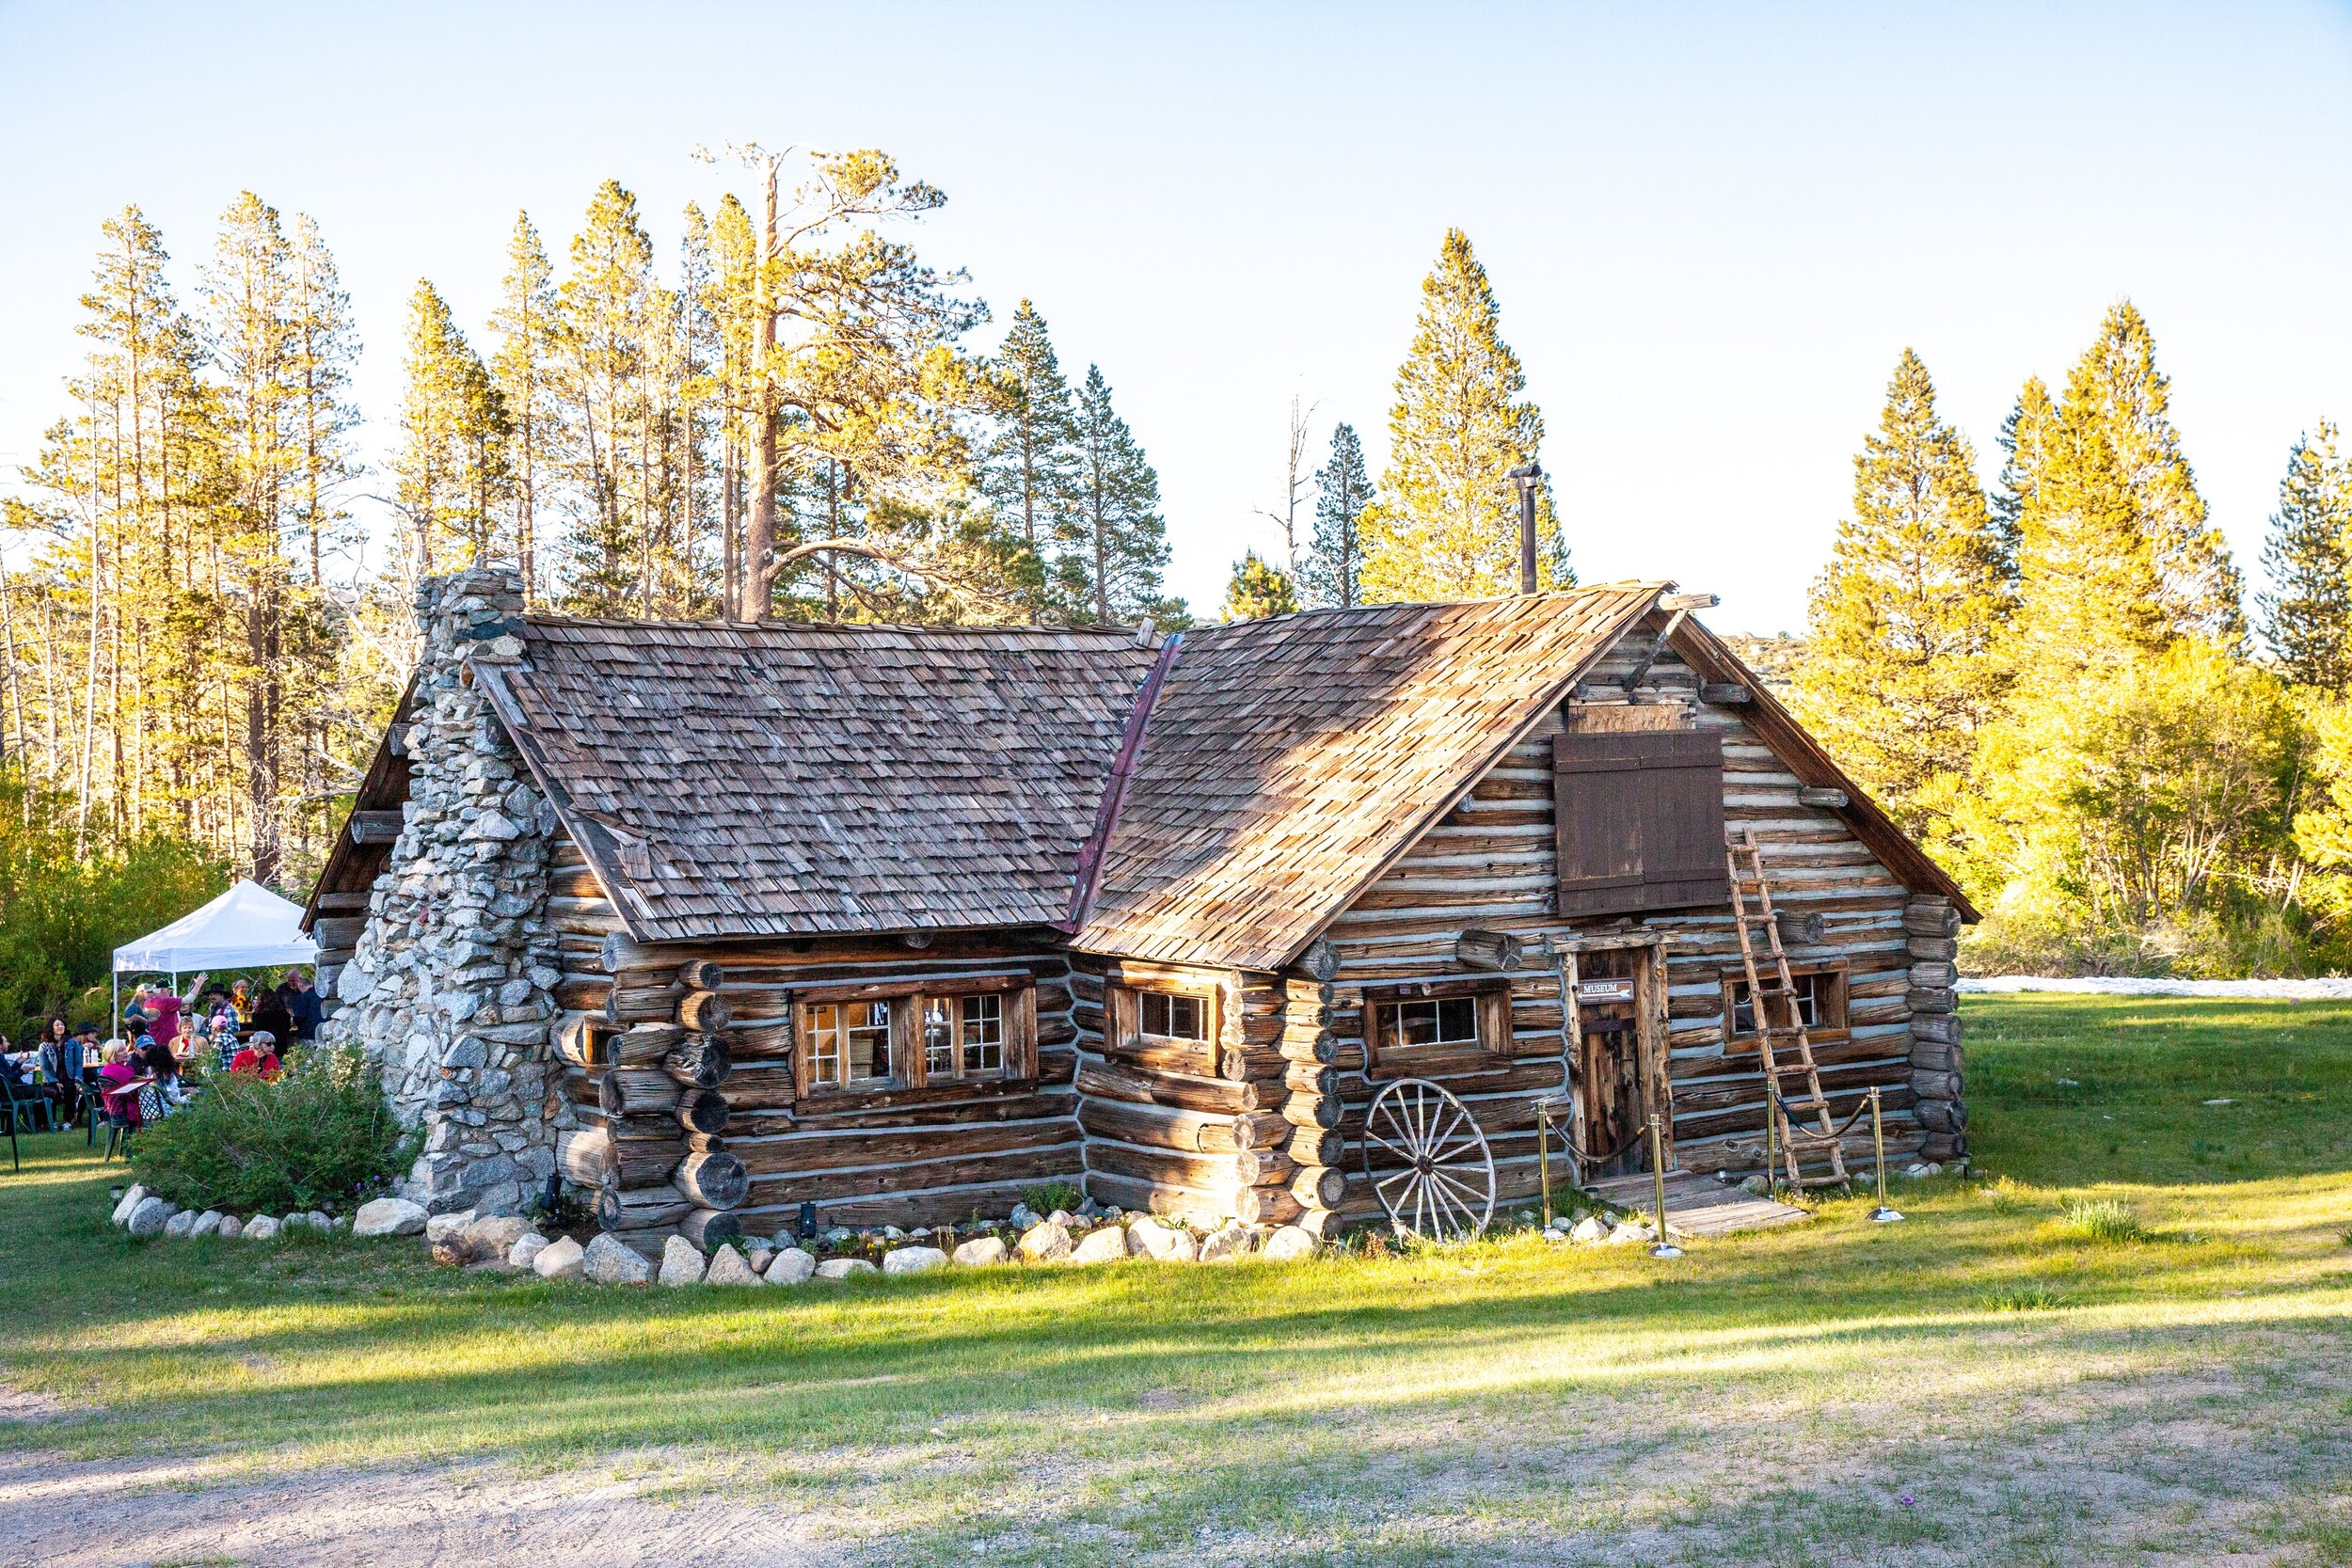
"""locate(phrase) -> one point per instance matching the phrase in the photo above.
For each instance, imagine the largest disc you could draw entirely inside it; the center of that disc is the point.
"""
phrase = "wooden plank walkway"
(1699, 1206)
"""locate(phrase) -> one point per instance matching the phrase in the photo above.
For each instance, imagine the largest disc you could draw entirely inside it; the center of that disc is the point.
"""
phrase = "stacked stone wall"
(451, 987)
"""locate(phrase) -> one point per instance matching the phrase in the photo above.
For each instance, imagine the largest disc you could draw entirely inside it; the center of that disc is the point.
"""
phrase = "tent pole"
(115, 1022)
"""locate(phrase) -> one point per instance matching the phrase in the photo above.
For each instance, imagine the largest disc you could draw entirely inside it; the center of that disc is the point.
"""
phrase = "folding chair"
(8, 1112)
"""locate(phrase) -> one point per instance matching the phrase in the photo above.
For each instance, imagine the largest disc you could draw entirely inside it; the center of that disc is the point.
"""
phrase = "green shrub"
(320, 1137)
(1046, 1196)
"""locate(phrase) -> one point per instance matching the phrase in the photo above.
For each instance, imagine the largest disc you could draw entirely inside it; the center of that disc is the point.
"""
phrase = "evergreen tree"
(1446, 523)
(1030, 470)
(324, 346)
(606, 306)
(2307, 616)
(1899, 678)
(525, 368)
(1257, 589)
(2116, 557)
(1116, 542)
(451, 461)
(1329, 576)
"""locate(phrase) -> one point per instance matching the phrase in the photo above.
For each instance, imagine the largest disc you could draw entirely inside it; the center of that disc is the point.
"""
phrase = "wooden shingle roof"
(732, 781)
(1288, 761)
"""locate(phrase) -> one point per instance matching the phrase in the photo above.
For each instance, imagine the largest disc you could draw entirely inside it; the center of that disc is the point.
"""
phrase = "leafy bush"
(65, 906)
(322, 1136)
(1046, 1196)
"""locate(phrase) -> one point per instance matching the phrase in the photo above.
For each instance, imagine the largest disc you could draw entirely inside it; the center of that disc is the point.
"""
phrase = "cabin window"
(1638, 819)
(963, 1036)
(1437, 1020)
(1431, 1024)
(957, 1029)
(1172, 1017)
(849, 1043)
(1818, 997)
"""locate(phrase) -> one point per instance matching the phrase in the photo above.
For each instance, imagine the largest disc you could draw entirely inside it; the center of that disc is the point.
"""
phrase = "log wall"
(1240, 1127)
(905, 1157)
(1491, 863)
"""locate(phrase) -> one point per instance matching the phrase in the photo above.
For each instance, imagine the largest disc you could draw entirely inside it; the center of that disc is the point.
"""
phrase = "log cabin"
(733, 926)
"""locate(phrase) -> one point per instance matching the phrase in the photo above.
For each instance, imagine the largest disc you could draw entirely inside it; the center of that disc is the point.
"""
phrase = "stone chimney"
(451, 988)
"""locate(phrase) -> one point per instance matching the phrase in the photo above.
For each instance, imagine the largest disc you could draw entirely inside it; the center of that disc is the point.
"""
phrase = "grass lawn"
(1990, 1382)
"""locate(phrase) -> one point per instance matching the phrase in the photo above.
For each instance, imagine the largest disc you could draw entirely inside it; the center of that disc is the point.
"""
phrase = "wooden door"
(1611, 994)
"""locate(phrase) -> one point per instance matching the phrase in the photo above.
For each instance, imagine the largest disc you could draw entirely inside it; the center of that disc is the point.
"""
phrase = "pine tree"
(1330, 575)
(1029, 470)
(2116, 558)
(249, 292)
(606, 306)
(1446, 523)
(2307, 615)
(1899, 678)
(324, 348)
(451, 461)
(1257, 589)
(1116, 542)
(526, 370)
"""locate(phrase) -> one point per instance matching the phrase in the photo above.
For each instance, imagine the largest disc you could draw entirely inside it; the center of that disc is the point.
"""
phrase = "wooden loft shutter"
(1640, 820)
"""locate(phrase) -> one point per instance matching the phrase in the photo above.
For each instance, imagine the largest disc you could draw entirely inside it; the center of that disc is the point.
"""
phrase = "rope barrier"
(1796, 1119)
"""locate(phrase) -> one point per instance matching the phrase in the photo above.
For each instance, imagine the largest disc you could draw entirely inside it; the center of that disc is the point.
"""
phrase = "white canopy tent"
(245, 927)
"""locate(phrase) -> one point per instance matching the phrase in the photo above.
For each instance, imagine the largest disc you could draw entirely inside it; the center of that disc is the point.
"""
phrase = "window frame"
(1836, 1007)
(1124, 1034)
(909, 1003)
(1388, 1057)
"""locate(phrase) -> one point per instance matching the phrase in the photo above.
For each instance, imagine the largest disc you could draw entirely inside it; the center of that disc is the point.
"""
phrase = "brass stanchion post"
(1882, 1214)
(1664, 1248)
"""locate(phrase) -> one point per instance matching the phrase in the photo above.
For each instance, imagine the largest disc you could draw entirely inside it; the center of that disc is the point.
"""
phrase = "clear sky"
(1711, 227)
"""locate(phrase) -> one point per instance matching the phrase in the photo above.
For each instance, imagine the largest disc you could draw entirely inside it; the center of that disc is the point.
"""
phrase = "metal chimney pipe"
(1527, 478)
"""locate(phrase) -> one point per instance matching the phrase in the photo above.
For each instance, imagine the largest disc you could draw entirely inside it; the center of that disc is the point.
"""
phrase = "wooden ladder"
(1745, 881)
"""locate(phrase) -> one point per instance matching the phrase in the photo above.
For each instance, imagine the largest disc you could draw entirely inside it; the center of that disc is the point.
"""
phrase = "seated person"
(259, 1057)
(114, 1070)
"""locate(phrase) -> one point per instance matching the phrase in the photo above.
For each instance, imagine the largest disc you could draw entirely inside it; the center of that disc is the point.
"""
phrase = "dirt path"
(125, 1513)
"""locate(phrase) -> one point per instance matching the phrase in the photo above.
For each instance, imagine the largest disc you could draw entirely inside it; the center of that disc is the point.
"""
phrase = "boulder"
(149, 1217)
(207, 1223)
(791, 1266)
(842, 1268)
(1287, 1243)
(728, 1267)
(1107, 1244)
(1046, 1241)
(261, 1228)
(757, 1255)
(439, 1227)
(1589, 1229)
(681, 1262)
(1627, 1230)
(981, 1249)
(562, 1259)
(231, 1226)
(914, 1259)
(389, 1216)
(320, 1221)
(609, 1261)
(131, 1200)
(1225, 1244)
(526, 1249)
(180, 1224)
(1170, 1243)
(1023, 1216)
(493, 1235)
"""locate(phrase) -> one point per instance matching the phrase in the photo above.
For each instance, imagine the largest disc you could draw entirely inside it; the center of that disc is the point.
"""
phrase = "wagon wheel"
(1446, 1188)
